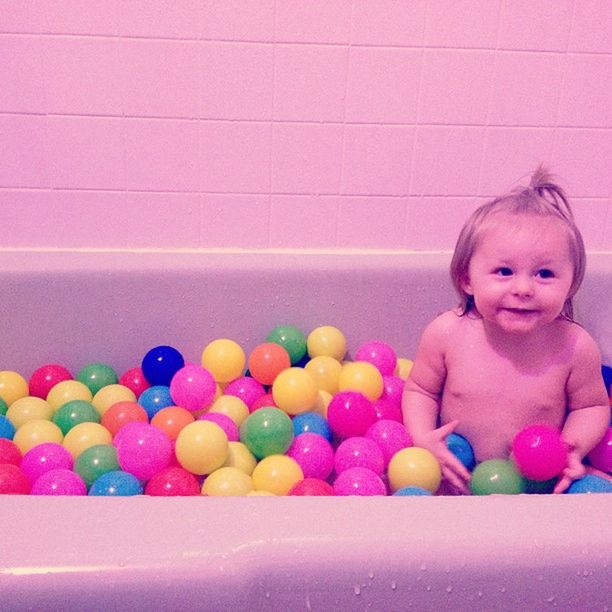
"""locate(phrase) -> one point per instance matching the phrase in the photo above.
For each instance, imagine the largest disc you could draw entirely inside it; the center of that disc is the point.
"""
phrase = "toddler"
(510, 355)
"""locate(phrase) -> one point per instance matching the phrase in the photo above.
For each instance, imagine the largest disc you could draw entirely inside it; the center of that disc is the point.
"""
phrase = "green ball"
(96, 376)
(267, 431)
(74, 412)
(497, 476)
(3, 406)
(95, 461)
(291, 339)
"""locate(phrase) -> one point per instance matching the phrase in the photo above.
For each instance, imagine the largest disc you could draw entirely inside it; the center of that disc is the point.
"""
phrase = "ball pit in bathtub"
(387, 553)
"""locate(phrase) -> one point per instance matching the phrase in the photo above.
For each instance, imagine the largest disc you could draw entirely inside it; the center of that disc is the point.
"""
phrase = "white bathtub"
(396, 553)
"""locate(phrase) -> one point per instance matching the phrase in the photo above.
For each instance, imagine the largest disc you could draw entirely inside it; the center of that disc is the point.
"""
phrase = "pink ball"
(171, 482)
(59, 482)
(143, 450)
(393, 389)
(224, 422)
(379, 354)
(263, 401)
(314, 454)
(193, 388)
(135, 380)
(539, 452)
(46, 377)
(359, 481)
(247, 389)
(312, 487)
(9, 452)
(359, 452)
(390, 436)
(601, 454)
(44, 457)
(13, 481)
(350, 413)
(387, 410)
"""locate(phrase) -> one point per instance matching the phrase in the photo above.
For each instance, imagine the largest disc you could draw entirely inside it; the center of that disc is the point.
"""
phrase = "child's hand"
(453, 471)
(574, 470)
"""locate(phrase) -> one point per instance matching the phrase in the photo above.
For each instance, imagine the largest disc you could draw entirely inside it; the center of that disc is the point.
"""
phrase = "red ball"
(9, 452)
(46, 377)
(172, 481)
(13, 481)
(264, 401)
(539, 452)
(312, 487)
(267, 361)
(135, 380)
(121, 413)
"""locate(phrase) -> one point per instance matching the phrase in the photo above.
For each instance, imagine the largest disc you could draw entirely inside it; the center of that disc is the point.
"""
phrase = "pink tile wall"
(295, 123)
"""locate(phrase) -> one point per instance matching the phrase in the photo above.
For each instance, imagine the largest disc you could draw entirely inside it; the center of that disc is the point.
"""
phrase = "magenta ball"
(44, 457)
(59, 482)
(312, 487)
(359, 481)
(193, 388)
(390, 436)
(314, 454)
(393, 389)
(247, 389)
(379, 354)
(224, 422)
(143, 450)
(359, 452)
(387, 410)
(600, 456)
(349, 414)
(539, 452)
(171, 482)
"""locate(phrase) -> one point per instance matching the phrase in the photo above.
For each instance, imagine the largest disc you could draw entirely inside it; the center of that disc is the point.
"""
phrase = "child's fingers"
(444, 430)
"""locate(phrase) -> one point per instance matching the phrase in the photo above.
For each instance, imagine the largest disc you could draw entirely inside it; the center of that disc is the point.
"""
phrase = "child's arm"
(589, 410)
(421, 403)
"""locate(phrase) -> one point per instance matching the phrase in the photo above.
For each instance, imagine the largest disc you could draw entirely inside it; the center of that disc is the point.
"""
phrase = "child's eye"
(503, 271)
(546, 273)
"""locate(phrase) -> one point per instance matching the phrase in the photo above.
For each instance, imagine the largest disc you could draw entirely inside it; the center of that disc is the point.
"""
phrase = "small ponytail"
(542, 183)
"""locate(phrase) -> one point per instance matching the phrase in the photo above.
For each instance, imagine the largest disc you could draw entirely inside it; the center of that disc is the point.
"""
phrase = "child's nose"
(522, 286)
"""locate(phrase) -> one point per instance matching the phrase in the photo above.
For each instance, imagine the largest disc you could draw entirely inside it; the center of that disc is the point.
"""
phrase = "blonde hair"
(543, 198)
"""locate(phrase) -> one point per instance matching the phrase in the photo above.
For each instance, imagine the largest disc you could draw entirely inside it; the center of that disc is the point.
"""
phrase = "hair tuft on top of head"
(543, 184)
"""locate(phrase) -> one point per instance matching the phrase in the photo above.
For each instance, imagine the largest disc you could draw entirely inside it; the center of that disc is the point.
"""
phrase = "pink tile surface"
(161, 19)
(238, 20)
(319, 21)
(389, 22)
(591, 217)
(20, 16)
(98, 17)
(591, 26)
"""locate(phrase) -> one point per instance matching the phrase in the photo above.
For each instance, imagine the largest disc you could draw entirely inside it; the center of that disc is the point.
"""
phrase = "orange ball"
(267, 361)
(121, 413)
(171, 420)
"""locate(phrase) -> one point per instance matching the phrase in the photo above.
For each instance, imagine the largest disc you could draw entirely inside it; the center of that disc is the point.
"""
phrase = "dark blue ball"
(160, 364)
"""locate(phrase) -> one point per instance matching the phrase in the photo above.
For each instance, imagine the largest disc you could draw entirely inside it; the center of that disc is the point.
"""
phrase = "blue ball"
(311, 422)
(116, 484)
(412, 491)
(154, 399)
(590, 484)
(160, 364)
(462, 449)
(7, 429)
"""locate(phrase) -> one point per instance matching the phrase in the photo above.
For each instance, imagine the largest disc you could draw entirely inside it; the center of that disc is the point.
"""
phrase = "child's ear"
(466, 285)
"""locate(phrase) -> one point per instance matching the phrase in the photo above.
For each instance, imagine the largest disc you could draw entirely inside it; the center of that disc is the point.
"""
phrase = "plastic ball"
(13, 481)
(116, 484)
(160, 364)
(414, 467)
(363, 377)
(314, 454)
(325, 371)
(9, 452)
(75, 412)
(96, 376)
(264, 401)
(43, 379)
(172, 482)
(121, 413)
(155, 398)
(201, 447)
(390, 436)
(350, 414)
(403, 367)
(59, 482)
(393, 389)
(66, 391)
(144, 450)
(12, 386)
(326, 340)
(7, 429)
(171, 420)
(3, 406)
(224, 359)
(312, 487)
(224, 422)
(387, 410)
(267, 431)
(497, 476)
(95, 461)
(84, 436)
(291, 339)
(600, 456)
(379, 354)
(111, 394)
(193, 388)
(239, 456)
(37, 432)
(462, 449)
(245, 388)
(277, 474)
(539, 452)
(294, 391)
(45, 457)
(359, 481)
(590, 484)
(227, 482)
(323, 400)
(29, 408)
(359, 451)
(135, 380)
(267, 361)
(230, 406)
(406, 491)
(312, 422)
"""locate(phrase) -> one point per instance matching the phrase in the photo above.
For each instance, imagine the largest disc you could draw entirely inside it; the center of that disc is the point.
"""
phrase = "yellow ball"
(227, 482)
(414, 467)
(403, 367)
(224, 359)
(326, 340)
(277, 474)
(325, 371)
(84, 436)
(67, 391)
(201, 447)
(12, 386)
(323, 399)
(294, 391)
(260, 494)
(231, 406)
(35, 432)
(363, 377)
(112, 394)
(239, 456)
(28, 408)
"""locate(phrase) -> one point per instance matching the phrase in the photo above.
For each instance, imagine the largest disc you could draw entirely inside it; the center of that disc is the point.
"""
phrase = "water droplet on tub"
(371, 575)
(357, 589)
(393, 585)
(503, 589)
(479, 593)
(428, 587)
(449, 589)
(550, 599)
(423, 567)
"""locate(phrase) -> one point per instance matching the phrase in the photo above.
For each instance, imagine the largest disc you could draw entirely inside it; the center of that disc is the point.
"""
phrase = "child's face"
(521, 272)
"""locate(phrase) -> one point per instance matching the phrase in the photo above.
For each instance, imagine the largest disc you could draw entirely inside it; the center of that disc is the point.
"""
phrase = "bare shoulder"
(444, 324)
(583, 346)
